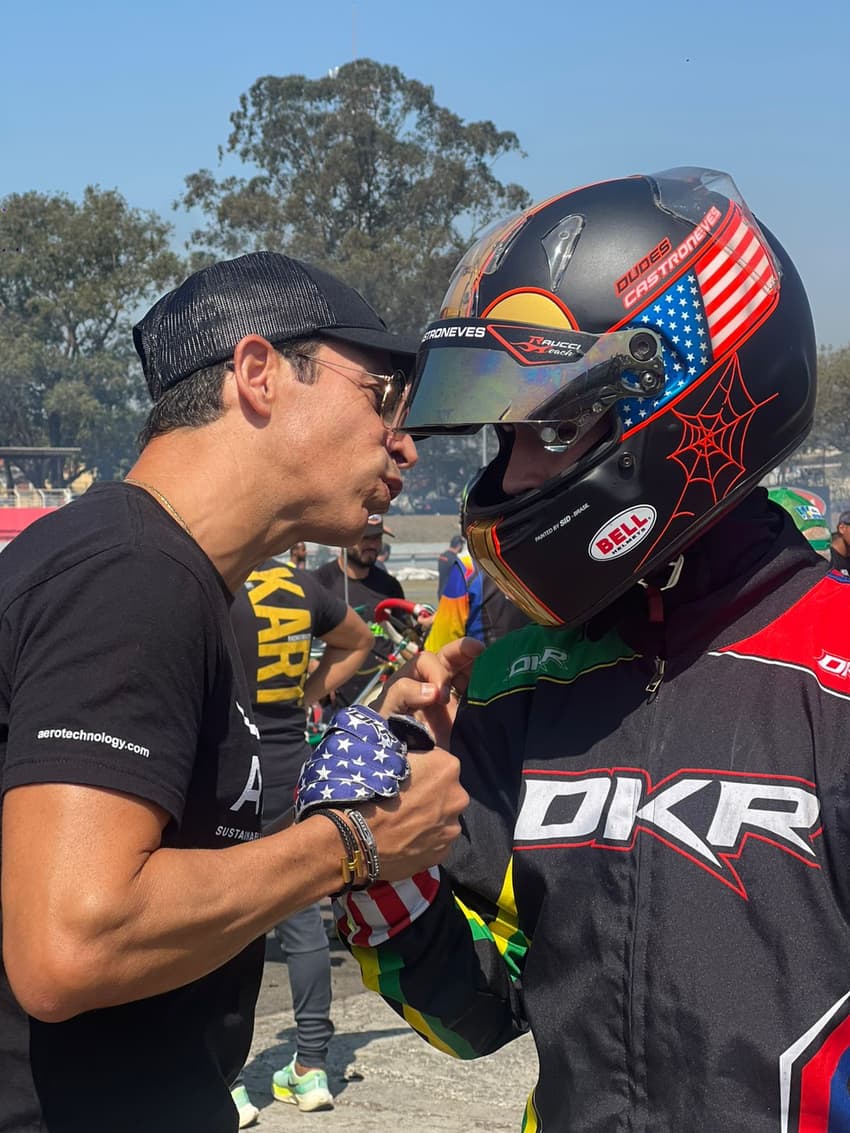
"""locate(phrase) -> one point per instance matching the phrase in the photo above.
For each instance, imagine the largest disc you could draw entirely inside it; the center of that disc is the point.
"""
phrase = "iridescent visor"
(474, 372)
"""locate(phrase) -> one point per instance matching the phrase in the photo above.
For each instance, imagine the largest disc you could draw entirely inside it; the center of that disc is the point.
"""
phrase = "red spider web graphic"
(712, 447)
(711, 450)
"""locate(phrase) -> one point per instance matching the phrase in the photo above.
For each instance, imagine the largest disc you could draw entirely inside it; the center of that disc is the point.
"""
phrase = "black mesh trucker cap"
(200, 322)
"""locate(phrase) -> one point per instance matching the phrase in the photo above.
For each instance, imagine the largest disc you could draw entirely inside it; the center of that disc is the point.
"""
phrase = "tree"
(832, 411)
(68, 374)
(360, 172)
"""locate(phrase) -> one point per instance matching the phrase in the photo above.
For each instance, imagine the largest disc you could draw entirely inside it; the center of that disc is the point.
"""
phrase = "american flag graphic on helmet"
(738, 280)
(706, 312)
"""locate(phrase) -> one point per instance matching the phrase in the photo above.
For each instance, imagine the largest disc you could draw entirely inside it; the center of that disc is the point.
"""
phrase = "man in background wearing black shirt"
(275, 617)
(354, 577)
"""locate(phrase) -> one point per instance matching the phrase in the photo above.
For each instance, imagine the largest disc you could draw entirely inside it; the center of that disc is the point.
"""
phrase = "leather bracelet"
(367, 844)
(352, 865)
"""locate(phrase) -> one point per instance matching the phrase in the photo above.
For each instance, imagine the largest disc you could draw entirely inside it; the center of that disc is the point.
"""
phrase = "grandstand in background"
(21, 503)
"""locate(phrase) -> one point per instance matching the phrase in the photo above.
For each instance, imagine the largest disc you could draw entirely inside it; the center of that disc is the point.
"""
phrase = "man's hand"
(414, 798)
(414, 829)
(429, 686)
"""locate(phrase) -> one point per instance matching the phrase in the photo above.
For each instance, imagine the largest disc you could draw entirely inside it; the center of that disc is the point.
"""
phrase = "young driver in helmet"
(652, 874)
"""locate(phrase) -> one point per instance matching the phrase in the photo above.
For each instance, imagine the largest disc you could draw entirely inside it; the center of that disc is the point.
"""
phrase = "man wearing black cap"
(839, 552)
(135, 891)
(354, 576)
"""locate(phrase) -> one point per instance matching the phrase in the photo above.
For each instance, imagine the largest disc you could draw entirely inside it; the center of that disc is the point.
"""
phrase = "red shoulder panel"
(813, 636)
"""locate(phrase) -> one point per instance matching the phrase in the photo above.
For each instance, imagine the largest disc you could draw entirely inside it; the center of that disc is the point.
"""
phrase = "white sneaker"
(248, 1112)
(309, 1091)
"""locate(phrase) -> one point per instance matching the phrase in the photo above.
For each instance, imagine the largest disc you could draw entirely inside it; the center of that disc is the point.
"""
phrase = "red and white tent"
(14, 519)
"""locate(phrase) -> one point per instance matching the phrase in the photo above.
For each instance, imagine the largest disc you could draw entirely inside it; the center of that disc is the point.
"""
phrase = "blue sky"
(135, 97)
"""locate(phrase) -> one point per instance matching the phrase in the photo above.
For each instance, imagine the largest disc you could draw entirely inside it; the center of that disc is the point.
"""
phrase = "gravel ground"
(381, 1073)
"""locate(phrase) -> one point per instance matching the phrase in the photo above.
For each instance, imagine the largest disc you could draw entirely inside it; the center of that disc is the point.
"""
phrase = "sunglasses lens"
(394, 405)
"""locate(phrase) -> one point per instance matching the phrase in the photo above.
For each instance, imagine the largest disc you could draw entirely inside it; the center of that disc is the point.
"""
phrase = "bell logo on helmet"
(622, 533)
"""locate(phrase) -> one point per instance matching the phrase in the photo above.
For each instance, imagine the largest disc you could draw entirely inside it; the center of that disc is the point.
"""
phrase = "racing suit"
(654, 869)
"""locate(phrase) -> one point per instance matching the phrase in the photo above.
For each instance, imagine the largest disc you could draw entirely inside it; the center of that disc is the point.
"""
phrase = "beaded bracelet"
(351, 865)
(367, 844)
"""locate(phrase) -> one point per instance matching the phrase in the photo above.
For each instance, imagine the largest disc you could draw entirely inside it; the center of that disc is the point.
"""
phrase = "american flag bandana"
(372, 916)
(358, 758)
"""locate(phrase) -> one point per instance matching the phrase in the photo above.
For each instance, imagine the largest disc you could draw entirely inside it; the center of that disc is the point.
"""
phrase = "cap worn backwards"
(375, 526)
(201, 322)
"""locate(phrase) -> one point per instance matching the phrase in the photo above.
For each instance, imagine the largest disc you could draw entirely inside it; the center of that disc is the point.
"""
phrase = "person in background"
(446, 561)
(136, 887)
(354, 577)
(276, 616)
(298, 556)
(839, 552)
(383, 556)
(651, 876)
(472, 605)
(809, 517)
(820, 539)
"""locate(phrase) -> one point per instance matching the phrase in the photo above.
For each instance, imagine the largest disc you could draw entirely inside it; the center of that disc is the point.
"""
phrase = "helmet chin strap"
(672, 579)
(655, 603)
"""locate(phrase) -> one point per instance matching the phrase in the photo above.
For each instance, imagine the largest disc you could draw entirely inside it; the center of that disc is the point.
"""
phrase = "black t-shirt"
(364, 595)
(275, 617)
(118, 669)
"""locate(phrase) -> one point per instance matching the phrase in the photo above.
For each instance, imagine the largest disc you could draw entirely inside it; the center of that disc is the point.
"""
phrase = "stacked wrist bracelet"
(367, 844)
(360, 865)
(351, 864)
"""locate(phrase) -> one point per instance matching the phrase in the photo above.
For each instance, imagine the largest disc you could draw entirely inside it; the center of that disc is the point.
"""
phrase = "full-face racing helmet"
(657, 304)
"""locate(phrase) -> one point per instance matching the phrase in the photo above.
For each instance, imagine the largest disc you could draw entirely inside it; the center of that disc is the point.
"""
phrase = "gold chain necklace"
(166, 503)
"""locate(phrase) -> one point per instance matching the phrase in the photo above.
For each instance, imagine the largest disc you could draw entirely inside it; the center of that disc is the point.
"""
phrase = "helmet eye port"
(558, 436)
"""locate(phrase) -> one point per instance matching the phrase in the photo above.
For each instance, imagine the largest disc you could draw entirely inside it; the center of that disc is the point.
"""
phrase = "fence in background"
(35, 497)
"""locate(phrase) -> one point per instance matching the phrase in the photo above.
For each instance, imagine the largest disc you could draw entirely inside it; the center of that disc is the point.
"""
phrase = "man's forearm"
(334, 669)
(109, 916)
(183, 914)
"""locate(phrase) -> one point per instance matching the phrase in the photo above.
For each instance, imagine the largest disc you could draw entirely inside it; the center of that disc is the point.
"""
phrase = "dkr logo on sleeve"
(706, 816)
(810, 637)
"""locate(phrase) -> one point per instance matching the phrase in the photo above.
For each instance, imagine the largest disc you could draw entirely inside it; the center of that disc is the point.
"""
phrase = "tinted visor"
(474, 372)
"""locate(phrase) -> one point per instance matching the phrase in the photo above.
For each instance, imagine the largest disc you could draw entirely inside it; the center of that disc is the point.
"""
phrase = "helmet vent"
(559, 243)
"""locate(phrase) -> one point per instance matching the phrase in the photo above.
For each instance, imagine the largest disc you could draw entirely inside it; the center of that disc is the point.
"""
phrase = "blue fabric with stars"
(357, 759)
(679, 317)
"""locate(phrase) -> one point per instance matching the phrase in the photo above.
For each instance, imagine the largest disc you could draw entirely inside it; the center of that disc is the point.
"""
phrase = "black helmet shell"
(679, 254)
